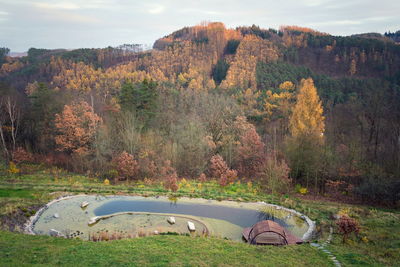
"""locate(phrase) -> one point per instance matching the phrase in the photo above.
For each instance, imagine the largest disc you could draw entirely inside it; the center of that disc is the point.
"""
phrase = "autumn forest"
(292, 110)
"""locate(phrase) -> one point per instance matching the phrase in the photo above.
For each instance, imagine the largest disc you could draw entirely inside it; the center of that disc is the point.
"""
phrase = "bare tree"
(14, 114)
(10, 115)
(2, 127)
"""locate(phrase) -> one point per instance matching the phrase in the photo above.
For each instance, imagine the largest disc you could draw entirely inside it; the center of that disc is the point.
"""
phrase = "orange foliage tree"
(220, 170)
(127, 166)
(76, 127)
(250, 153)
(168, 173)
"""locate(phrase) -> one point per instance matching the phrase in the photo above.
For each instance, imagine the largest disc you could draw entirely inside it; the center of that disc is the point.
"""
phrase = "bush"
(21, 155)
(276, 175)
(12, 169)
(169, 175)
(203, 178)
(126, 166)
(228, 177)
(347, 226)
(218, 166)
(148, 167)
(338, 188)
(220, 170)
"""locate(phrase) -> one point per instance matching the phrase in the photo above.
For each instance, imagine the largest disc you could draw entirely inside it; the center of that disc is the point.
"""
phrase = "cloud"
(3, 16)
(359, 21)
(60, 5)
(99, 23)
(200, 11)
(313, 3)
(383, 18)
(335, 22)
(156, 9)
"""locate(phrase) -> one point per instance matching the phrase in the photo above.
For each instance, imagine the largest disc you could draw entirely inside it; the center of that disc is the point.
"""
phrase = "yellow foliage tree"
(307, 117)
(242, 69)
(353, 67)
(306, 125)
(278, 107)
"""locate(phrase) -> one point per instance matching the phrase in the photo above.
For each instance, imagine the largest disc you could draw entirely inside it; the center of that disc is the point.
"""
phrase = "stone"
(288, 217)
(191, 226)
(84, 204)
(55, 233)
(171, 220)
(56, 215)
(93, 220)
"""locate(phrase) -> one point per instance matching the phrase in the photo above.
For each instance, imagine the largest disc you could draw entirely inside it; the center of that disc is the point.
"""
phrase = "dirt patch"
(15, 220)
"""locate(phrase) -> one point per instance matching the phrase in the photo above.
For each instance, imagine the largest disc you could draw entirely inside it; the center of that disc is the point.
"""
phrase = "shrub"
(51, 159)
(168, 173)
(220, 170)
(276, 175)
(303, 190)
(147, 159)
(338, 188)
(347, 226)
(228, 177)
(126, 166)
(21, 155)
(12, 168)
(202, 178)
(112, 174)
(148, 168)
(218, 166)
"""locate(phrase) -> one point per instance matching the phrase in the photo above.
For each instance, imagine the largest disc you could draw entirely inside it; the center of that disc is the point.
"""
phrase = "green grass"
(16, 193)
(19, 250)
(380, 229)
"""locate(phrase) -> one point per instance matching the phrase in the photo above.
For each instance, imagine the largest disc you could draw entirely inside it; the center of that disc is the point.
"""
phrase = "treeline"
(210, 102)
(395, 36)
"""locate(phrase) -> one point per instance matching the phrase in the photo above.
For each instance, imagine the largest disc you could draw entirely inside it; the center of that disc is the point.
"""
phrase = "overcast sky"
(100, 23)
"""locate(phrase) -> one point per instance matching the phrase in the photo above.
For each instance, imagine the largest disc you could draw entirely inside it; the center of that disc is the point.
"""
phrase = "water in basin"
(220, 218)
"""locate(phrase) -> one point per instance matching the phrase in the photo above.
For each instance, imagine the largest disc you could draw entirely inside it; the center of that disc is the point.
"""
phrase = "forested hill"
(209, 55)
(249, 71)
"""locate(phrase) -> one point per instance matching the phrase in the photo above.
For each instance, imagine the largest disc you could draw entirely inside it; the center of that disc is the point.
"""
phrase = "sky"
(100, 23)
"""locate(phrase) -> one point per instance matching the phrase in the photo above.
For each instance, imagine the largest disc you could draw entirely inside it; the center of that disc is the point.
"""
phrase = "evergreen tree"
(139, 98)
(3, 53)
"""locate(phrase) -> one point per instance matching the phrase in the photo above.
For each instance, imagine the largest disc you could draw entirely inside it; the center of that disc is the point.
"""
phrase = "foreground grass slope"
(18, 250)
(21, 195)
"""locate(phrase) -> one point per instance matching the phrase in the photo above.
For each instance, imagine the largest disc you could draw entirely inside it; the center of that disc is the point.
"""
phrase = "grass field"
(378, 243)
